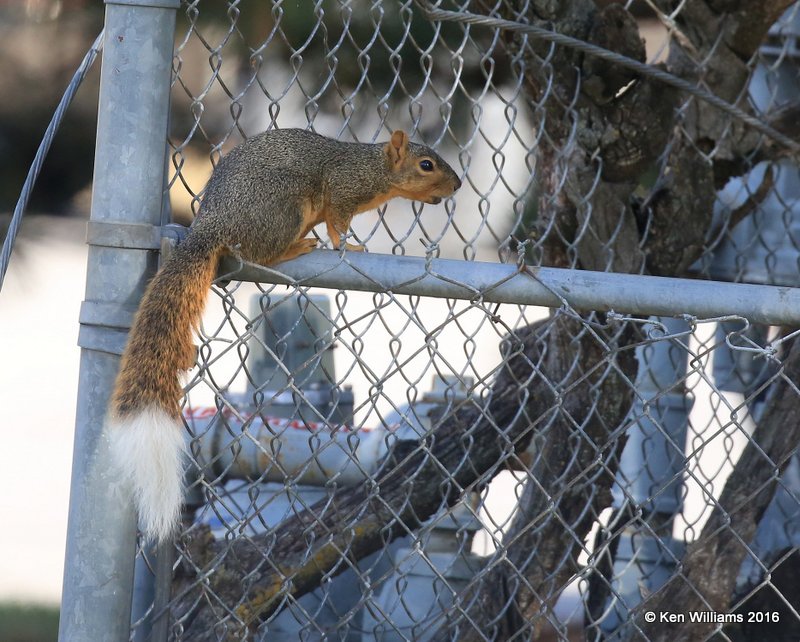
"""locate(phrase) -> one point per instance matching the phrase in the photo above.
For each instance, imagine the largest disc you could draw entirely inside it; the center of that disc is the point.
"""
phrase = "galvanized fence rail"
(560, 405)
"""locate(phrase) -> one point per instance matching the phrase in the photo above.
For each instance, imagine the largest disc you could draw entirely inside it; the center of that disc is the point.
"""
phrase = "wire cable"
(41, 153)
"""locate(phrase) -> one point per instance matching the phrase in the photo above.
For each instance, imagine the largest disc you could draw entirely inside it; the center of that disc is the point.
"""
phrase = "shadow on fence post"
(123, 234)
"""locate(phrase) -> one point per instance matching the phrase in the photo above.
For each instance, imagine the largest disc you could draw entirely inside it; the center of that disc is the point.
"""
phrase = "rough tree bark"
(577, 450)
(723, 36)
(597, 147)
(600, 145)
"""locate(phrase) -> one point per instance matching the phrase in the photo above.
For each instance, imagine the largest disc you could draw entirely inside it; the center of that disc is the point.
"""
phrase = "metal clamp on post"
(105, 324)
(132, 236)
(172, 235)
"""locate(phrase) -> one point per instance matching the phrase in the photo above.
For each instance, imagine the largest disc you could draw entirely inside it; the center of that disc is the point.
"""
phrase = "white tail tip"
(147, 448)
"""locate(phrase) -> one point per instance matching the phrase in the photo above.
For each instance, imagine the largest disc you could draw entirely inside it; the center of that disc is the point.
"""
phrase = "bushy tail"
(145, 424)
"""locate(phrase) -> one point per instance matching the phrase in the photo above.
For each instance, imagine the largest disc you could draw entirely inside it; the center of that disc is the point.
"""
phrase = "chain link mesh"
(376, 466)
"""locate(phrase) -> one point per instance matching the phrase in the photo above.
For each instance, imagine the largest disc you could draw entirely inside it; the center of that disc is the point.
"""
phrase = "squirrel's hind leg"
(298, 248)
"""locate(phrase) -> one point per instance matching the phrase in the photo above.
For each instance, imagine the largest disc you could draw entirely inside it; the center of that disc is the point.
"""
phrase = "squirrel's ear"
(397, 147)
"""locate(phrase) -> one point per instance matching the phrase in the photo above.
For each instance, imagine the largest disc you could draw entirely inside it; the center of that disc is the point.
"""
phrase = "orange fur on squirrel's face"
(261, 201)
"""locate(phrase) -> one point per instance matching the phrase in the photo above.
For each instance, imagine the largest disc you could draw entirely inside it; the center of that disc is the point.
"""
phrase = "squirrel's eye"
(426, 165)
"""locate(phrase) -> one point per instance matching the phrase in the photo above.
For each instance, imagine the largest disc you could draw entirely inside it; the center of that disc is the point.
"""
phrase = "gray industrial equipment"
(299, 444)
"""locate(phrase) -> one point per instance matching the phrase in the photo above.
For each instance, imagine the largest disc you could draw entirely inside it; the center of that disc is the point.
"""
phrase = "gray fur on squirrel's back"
(354, 171)
(261, 186)
(270, 158)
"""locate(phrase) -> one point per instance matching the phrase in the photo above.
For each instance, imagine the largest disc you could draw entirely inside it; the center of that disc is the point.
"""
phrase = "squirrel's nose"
(458, 184)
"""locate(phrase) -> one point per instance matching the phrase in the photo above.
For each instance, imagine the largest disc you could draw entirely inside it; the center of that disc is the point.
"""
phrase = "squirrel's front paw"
(354, 248)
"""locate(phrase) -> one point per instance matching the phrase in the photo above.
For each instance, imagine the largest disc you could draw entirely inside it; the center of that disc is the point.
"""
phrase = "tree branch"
(253, 576)
(577, 453)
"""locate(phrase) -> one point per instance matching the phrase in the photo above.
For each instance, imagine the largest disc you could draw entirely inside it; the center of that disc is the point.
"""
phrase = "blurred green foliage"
(26, 623)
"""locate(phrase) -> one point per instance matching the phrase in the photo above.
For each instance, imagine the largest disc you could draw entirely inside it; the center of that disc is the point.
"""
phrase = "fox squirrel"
(261, 201)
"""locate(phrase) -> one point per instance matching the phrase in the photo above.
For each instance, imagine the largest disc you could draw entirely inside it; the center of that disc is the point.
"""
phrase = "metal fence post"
(123, 235)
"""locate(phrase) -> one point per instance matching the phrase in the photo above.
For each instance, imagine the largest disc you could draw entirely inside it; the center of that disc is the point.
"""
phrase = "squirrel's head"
(417, 172)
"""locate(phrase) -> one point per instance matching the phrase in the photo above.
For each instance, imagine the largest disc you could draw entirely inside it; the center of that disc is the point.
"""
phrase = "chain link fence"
(401, 445)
